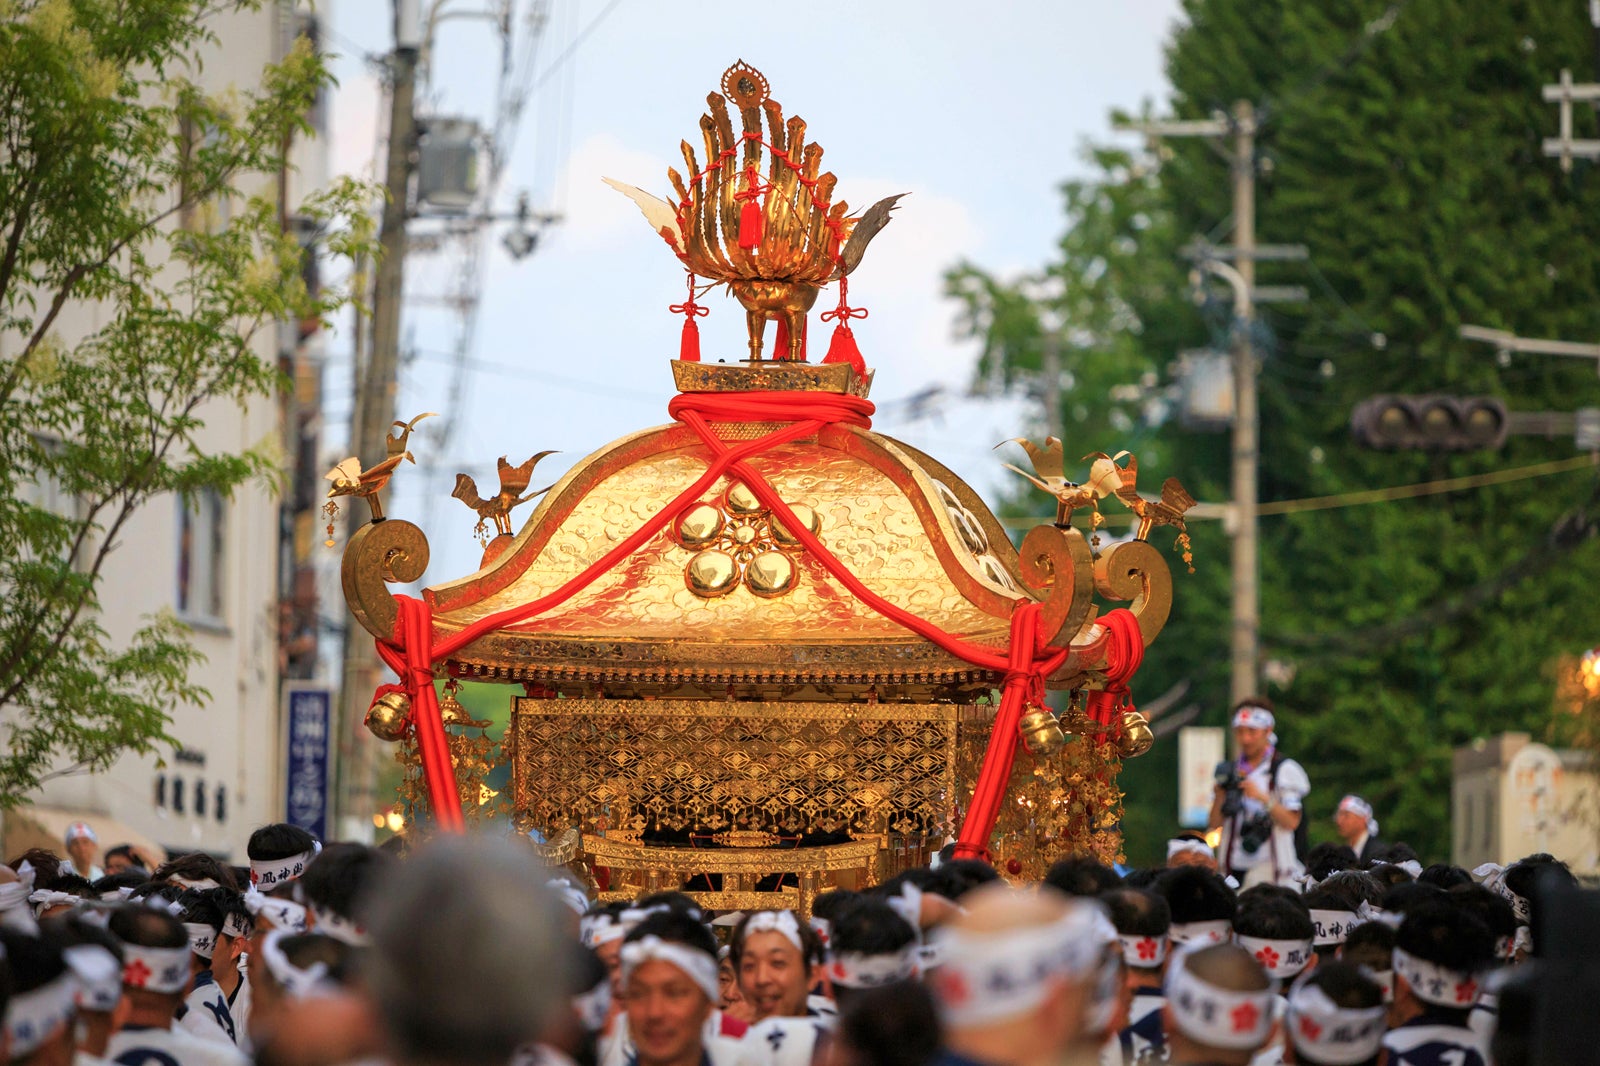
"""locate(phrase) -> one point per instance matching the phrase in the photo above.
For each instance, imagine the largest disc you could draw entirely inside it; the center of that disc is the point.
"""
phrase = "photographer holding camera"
(1258, 802)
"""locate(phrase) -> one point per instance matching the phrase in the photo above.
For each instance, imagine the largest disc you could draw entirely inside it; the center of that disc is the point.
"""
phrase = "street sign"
(1200, 748)
(309, 720)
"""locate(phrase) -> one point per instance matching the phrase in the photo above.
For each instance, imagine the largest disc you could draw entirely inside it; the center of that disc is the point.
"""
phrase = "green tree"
(1401, 143)
(126, 187)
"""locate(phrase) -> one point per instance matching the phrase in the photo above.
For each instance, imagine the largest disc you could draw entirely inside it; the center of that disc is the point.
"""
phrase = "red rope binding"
(411, 652)
(689, 346)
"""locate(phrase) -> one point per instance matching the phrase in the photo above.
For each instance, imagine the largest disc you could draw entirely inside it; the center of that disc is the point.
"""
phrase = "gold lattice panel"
(715, 766)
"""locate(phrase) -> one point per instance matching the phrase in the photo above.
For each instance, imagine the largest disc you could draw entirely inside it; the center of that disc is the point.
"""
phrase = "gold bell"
(1136, 737)
(1041, 733)
(452, 713)
(389, 716)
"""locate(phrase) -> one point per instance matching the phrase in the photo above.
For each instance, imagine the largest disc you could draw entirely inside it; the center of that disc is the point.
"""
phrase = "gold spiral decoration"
(1059, 566)
(380, 553)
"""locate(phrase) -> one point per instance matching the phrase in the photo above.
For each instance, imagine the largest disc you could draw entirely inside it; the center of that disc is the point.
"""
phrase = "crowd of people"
(468, 951)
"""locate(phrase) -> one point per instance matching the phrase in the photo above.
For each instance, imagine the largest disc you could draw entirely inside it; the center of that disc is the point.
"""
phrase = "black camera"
(1255, 830)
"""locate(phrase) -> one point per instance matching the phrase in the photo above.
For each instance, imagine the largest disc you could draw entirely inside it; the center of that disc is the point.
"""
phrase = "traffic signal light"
(1430, 423)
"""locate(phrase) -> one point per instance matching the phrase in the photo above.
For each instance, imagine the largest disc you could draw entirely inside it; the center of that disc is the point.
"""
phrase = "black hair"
(1349, 989)
(613, 909)
(46, 866)
(1490, 908)
(871, 927)
(1523, 876)
(892, 1025)
(1370, 944)
(677, 902)
(829, 905)
(146, 927)
(1264, 891)
(126, 879)
(278, 841)
(1443, 875)
(1196, 894)
(1081, 875)
(1274, 918)
(74, 885)
(1136, 912)
(34, 961)
(1352, 888)
(343, 876)
(126, 851)
(1387, 874)
(1253, 701)
(305, 950)
(1401, 898)
(231, 904)
(1142, 877)
(74, 928)
(1516, 1016)
(1325, 859)
(675, 927)
(164, 890)
(200, 908)
(1446, 935)
(195, 866)
(810, 943)
(1399, 852)
(956, 878)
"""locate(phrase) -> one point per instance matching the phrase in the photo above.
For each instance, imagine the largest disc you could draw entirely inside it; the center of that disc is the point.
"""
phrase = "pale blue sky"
(979, 110)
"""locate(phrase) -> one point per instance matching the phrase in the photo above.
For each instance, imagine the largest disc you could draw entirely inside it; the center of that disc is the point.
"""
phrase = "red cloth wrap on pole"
(412, 652)
(1124, 654)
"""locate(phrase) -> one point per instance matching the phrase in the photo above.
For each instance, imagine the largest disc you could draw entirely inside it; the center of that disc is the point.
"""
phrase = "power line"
(582, 35)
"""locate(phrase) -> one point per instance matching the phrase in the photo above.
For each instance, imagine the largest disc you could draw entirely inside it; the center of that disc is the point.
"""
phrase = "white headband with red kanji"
(1218, 1017)
(1280, 958)
(1436, 984)
(1325, 1032)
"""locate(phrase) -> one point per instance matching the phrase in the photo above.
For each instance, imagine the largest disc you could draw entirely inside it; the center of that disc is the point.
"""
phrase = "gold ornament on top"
(350, 480)
(759, 216)
(497, 508)
(738, 540)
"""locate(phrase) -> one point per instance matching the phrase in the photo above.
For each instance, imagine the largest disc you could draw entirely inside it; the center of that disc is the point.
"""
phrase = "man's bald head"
(1229, 967)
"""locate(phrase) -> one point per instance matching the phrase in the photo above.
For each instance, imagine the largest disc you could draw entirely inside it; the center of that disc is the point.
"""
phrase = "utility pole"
(1052, 383)
(375, 387)
(1237, 266)
(1245, 645)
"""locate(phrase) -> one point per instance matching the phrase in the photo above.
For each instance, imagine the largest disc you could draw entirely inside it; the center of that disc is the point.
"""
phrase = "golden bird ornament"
(1050, 468)
(513, 481)
(349, 479)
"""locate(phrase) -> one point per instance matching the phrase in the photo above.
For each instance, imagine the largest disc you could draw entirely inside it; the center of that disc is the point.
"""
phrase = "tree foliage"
(1401, 143)
(143, 264)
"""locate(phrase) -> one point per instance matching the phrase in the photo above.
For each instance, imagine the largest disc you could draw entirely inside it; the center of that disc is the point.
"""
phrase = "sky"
(978, 111)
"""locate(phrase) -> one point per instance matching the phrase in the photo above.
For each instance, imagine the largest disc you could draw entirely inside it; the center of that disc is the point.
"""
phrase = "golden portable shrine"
(763, 649)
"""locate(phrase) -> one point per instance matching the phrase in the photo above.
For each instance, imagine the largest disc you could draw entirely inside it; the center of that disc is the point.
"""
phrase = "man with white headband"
(279, 852)
(1201, 903)
(40, 1016)
(83, 847)
(1441, 953)
(1221, 1006)
(1142, 920)
(1335, 1017)
(873, 945)
(1275, 928)
(1190, 849)
(669, 996)
(1020, 979)
(778, 958)
(1259, 834)
(155, 975)
(1358, 828)
(205, 1005)
(336, 887)
(95, 958)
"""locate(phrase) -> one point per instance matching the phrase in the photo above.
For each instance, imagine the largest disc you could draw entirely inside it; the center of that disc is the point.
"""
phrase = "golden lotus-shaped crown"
(759, 215)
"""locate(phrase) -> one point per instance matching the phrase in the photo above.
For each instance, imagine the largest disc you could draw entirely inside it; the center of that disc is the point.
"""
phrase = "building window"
(177, 794)
(199, 798)
(161, 790)
(220, 808)
(202, 534)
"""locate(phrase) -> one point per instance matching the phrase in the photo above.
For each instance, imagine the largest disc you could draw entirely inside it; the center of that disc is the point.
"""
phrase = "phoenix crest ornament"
(350, 480)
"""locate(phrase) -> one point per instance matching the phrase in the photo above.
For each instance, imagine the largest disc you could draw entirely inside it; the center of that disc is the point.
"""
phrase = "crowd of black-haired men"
(467, 952)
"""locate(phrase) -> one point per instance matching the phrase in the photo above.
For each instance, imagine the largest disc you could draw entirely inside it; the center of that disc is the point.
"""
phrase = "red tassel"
(842, 349)
(689, 347)
(750, 224)
(780, 343)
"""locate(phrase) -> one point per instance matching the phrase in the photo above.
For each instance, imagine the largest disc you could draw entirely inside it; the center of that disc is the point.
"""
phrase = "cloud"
(596, 214)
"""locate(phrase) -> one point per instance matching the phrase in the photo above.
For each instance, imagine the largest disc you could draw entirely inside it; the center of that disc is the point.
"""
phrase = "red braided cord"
(1124, 654)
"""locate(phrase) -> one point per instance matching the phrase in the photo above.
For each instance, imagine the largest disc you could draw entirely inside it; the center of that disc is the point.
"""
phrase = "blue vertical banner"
(309, 728)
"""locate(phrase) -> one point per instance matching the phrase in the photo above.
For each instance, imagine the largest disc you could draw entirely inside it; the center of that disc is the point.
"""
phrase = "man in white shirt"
(1358, 828)
(155, 973)
(83, 846)
(1258, 831)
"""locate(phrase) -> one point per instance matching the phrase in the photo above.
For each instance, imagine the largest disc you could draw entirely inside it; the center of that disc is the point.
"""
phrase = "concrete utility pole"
(1237, 266)
(375, 387)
